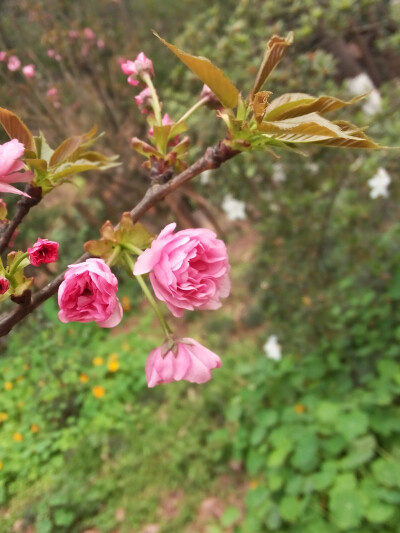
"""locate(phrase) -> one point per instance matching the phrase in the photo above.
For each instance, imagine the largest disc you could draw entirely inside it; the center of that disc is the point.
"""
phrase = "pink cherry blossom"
(184, 359)
(29, 71)
(73, 34)
(89, 293)
(88, 33)
(100, 43)
(4, 285)
(13, 63)
(42, 252)
(188, 269)
(51, 53)
(136, 69)
(11, 166)
(3, 56)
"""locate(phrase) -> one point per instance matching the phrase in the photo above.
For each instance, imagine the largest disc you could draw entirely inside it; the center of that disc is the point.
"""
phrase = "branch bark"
(212, 158)
(24, 205)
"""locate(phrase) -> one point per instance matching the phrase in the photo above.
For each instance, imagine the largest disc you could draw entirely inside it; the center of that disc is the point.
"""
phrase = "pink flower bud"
(13, 63)
(212, 100)
(100, 43)
(4, 285)
(89, 293)
(88, 33)
(188, 270)
(11, 166)
(29, 71)
(73, 34)
(52, 92)
(185, 359)
(51, 53)
(43, 251)
(3, 56)
(143, 100)
(136, 69)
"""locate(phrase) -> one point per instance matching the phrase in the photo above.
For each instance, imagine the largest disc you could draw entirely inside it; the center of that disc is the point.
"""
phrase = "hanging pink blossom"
(29, 71)
(136, 69)
(188, 269)
(11, 166)
(43, 252)
(13, 63)
(89, 293)
(185, 359)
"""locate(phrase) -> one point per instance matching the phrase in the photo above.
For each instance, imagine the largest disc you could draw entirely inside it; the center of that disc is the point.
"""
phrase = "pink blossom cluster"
(188, 270)
(136, 69)
(14, 64)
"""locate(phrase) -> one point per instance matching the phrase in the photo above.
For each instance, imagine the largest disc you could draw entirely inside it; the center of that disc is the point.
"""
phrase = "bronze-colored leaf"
(276, 47)
(296, 104)
(16, 129)
(260, 104)
(308, 128)
(209, 74)
(69, 146)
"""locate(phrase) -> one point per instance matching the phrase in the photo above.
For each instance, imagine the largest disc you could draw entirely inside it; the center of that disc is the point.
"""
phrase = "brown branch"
(213, 158)
(24, 205)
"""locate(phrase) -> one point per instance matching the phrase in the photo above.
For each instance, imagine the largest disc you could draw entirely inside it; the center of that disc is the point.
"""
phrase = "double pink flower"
(11, 166)
(188, 269)
(89, 293)
(186, 359)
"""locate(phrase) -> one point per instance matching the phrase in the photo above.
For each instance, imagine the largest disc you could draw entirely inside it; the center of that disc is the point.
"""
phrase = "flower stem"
(15, 266)
(113, 256)
(154, 98)
(196, 106)
(166, 329)
(132, 248)
(154, 305)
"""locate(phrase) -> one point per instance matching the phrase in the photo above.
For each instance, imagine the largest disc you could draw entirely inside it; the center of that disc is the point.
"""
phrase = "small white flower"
(313, 168)
(272, 348)
(278, 174)
(205, 177)
(363, 84)
(234, 209)
(379, 183)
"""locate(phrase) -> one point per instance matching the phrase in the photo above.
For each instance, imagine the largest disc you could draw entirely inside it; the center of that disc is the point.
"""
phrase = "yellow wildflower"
(113, 365)
(8, 385)
(126, 303)
(299, 408)
(17, 437)
(98, 391)
(98, 361)
(34, 428)
(1, 465)
(3, 417)
(83, 378)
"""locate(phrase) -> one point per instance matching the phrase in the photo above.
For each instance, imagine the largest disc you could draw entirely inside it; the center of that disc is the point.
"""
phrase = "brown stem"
(24, 205)
(213, 158)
